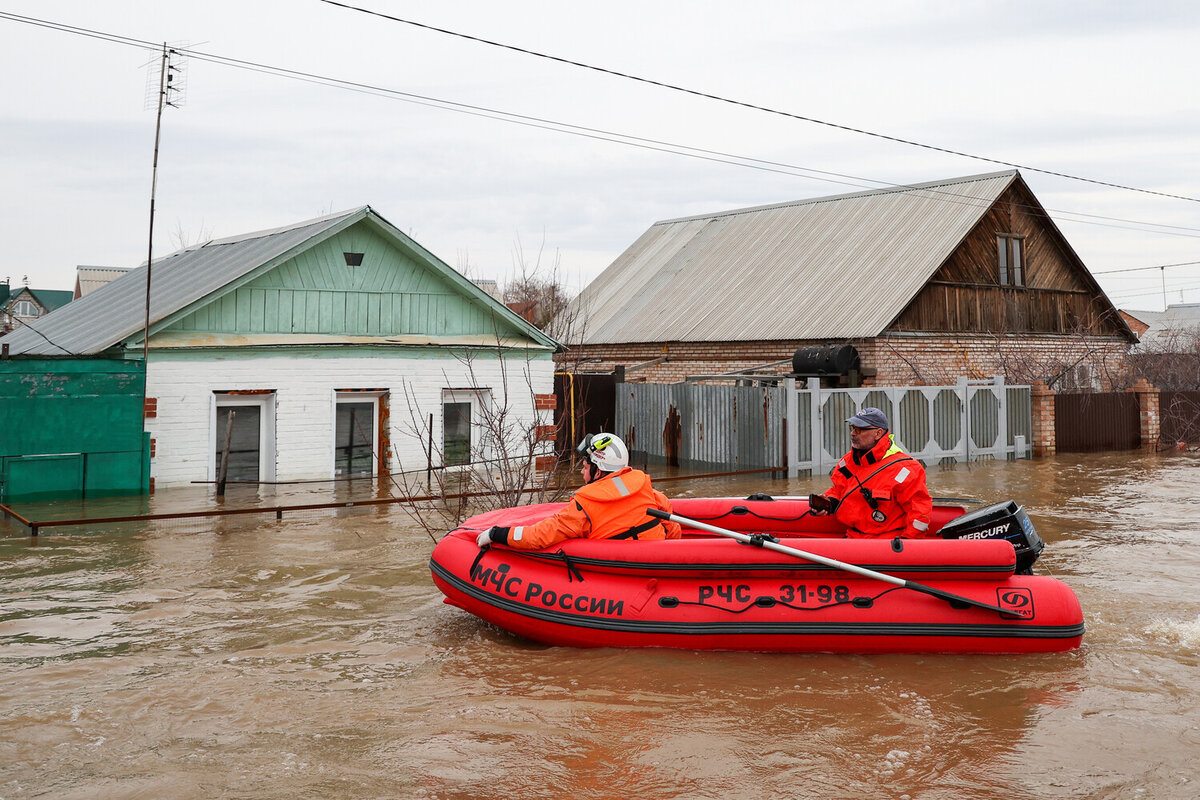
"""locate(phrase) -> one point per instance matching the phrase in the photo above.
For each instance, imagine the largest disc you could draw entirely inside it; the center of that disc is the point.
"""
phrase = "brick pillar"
(1042, 397)
(1147, 395)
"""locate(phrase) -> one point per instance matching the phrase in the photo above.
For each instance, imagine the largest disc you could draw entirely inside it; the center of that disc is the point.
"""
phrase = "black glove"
(493, 535)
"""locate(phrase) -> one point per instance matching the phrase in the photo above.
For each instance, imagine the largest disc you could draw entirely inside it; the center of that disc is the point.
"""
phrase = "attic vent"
(353, 259)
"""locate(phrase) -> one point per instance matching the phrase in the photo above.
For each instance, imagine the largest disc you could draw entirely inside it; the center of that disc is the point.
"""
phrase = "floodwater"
(312, 657)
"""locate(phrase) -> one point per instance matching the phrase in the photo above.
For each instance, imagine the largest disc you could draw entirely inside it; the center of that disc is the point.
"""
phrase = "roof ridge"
(243, 237)
(895, 189)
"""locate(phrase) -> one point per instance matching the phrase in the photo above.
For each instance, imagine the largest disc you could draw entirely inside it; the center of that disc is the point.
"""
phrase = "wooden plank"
(271, 310)
(285, 322)
(299, 310)
(258, 310)
(337, 323)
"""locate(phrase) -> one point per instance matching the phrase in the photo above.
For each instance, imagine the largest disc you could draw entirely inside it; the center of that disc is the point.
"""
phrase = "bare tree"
(511, 460)
(183, 240)
(1080, 360)
(536, 292)
(1171, 360)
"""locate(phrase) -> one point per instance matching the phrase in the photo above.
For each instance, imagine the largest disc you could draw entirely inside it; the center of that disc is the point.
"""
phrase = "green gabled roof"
(191, 279)
(51, 299)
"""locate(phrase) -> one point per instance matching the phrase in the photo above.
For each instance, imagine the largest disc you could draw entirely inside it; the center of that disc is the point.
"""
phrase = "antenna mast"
(169, 94)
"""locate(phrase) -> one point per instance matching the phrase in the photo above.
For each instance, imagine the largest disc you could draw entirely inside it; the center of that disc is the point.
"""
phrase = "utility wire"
(591, 133)
(1159, 292)
(44, 336)
(1142, 269)
(753, 106)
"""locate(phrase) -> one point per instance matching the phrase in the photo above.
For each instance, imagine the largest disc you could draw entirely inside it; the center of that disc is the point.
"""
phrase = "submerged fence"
(803, 427)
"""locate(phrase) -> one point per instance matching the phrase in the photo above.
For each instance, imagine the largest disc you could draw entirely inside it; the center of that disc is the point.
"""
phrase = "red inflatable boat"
(969, 592)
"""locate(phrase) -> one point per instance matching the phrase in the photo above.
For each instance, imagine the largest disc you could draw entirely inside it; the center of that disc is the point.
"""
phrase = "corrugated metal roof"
(89, 279)
(826, 268)
(1173, 330)
(115, 313)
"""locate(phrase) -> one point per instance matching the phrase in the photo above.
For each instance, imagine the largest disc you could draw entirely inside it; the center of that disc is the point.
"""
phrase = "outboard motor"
(1005, 520)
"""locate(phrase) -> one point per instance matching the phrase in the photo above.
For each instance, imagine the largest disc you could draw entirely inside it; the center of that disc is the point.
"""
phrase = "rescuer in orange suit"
(611, 504)
(878, 490)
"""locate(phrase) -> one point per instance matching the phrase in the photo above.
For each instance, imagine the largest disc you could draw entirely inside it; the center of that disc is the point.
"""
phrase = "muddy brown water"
(313, 657)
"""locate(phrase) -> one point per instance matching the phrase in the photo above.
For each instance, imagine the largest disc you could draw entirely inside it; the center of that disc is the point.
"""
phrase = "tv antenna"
(169, 92)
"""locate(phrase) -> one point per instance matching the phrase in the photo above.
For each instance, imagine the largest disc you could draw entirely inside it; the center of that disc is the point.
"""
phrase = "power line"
(1142, 269)
(598, 134)
(753, 106)
(1160, 292)
(39, 333)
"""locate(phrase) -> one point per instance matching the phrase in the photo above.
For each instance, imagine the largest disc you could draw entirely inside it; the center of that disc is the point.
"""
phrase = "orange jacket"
(602, 509)
(896, 483)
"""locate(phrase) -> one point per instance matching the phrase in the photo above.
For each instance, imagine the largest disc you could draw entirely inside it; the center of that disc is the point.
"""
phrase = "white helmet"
(606, 451)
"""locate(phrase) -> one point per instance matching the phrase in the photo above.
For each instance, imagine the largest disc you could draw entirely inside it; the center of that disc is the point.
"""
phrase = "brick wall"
(898, 360)
(1151, 420)
(1044, 438)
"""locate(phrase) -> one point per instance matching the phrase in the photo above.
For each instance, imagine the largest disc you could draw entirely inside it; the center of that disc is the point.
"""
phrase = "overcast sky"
(1098, 90)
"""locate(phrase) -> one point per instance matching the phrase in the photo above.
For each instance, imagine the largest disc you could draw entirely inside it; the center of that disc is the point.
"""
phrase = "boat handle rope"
(573, 573)
(766, 601)
(955, 600)
(740, 511)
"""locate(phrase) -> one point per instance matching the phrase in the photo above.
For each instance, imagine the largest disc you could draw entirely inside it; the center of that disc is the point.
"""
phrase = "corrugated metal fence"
(1094, 422)
(805, 429)
(686, 424)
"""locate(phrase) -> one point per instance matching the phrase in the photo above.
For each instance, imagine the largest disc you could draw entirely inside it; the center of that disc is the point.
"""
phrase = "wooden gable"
(1056, 293)
(392, 292)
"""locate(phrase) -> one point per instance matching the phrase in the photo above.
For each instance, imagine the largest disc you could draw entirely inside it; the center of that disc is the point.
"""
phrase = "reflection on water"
(249, 657)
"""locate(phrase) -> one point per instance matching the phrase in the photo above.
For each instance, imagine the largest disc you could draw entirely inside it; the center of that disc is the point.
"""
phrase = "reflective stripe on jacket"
(603, 509)
(896, 483)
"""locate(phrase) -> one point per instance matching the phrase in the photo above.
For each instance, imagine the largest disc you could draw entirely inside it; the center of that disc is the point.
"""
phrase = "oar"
(762, 541)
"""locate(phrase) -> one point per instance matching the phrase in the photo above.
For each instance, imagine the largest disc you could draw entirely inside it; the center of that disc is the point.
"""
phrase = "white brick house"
(340, 346)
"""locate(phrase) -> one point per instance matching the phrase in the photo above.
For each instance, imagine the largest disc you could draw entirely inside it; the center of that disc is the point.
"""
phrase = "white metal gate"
(970, 421)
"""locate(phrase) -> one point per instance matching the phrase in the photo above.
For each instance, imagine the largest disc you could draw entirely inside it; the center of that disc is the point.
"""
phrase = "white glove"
(484, 538)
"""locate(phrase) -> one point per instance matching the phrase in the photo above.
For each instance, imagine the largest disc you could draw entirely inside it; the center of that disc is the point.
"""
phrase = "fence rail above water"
(802, 427)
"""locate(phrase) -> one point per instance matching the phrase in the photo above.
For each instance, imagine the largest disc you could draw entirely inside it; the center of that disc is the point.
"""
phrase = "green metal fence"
(72, 427)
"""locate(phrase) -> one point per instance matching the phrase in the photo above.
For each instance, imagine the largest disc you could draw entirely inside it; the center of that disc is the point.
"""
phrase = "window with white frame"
(356, 433)
(24, 308)
(463, 425)
(243, 436)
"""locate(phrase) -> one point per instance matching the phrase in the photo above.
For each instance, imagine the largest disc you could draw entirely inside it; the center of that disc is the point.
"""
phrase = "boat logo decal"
(498, 580)
(995, 532)
(1017, 601)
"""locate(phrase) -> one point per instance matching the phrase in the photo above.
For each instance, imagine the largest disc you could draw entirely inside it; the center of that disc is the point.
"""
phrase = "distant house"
(1168, 354)
(332, 347)
(24, 305)
(89, 279)
(931, 282)
(1139, 321)
(1175, 330)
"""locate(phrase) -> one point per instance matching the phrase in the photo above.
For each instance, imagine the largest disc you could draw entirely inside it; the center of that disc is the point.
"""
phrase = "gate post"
(1002, 423)
(791, 413)
(816, 426)
(964, 394)
(1041, 402)
(1148, 411)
